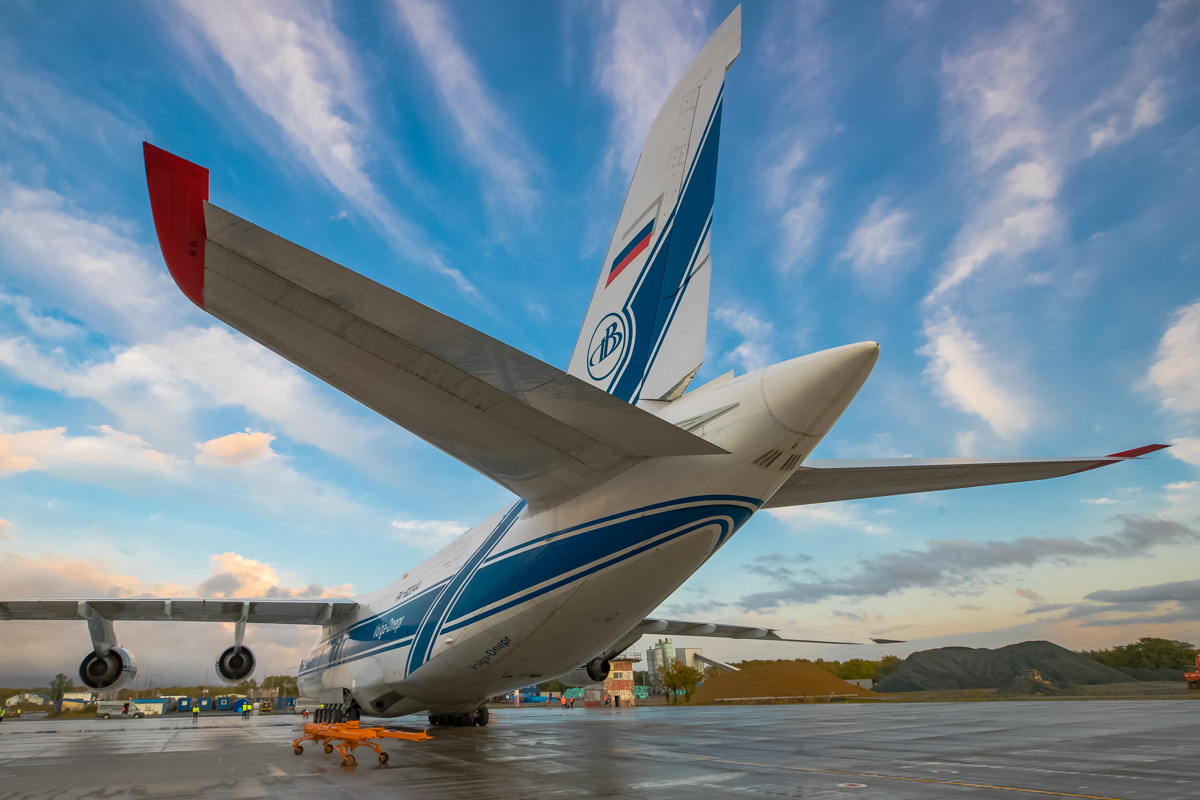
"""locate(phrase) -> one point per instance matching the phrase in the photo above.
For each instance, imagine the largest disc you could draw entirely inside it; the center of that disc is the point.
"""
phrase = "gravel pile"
(981, 668)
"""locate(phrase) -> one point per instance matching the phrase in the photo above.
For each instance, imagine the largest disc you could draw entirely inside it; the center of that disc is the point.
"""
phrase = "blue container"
(287, 704)
(184, 706)
(223, 703)
(240, 704)
(206, 704)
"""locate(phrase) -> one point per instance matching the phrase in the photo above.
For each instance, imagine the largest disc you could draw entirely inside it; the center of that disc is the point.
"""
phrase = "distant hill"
(981, 668)
(777, 679)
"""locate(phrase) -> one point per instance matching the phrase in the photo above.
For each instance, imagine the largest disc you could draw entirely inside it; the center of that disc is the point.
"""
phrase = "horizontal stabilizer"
(831, 480)
(539, 432)
(183, 609)
(678, 627)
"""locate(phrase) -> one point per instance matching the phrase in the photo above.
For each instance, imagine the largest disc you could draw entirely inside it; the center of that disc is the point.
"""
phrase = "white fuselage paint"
(528, 595)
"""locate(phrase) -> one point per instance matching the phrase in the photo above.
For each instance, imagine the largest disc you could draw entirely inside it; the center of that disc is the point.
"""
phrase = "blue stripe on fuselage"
(433, 619)
(593, 543)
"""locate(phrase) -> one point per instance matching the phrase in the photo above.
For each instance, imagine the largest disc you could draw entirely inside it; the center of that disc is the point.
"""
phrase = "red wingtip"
(1139, 451)
(178, 189)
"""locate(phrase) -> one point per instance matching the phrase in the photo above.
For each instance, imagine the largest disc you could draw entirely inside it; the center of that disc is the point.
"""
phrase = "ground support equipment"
(351, 736)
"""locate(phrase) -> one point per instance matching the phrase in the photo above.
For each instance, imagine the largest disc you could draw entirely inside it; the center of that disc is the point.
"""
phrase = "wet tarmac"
(1132, 750)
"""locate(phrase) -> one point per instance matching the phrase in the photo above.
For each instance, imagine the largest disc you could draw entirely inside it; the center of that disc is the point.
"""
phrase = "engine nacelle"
(235, 665)
(593, 672)
(110, 673)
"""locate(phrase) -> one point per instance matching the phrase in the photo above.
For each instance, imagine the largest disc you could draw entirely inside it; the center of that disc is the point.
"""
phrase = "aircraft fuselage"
(530, 594)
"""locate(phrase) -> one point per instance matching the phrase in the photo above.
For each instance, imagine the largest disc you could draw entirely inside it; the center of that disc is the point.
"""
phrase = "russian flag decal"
(632, 250)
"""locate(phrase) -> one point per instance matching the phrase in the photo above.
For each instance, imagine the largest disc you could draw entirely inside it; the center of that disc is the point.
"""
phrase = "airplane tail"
(643, 335)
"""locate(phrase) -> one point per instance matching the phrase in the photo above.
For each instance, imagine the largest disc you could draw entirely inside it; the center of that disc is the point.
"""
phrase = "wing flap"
(183, 609)
(831, 480)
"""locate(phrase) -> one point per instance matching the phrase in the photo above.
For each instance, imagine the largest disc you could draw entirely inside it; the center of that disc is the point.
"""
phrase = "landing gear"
(483, 717)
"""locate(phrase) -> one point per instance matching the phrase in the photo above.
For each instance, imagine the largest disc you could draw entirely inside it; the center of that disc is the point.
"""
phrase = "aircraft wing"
(541, 433)
(188, 609)
(830, 480)
(679, 627)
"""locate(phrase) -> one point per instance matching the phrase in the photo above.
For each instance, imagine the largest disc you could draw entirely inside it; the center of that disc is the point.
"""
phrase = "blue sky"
(1004, 195)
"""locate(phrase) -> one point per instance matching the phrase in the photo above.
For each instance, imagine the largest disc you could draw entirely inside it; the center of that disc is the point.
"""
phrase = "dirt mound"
(780, 679)
(971, 668)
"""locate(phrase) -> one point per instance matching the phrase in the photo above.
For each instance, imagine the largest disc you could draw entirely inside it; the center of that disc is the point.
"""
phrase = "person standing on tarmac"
(195, 712)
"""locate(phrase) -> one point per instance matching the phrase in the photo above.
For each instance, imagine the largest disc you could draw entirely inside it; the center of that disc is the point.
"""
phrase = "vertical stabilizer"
(643, 336)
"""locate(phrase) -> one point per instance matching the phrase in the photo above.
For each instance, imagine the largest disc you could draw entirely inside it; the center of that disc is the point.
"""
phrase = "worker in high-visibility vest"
(3, 711)
(195, 712)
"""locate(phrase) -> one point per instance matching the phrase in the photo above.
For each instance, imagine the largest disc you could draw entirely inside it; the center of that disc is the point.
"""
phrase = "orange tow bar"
(351, 736)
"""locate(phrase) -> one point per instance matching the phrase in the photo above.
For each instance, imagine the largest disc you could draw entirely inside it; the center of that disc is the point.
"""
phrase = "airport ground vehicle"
(1193, 678)
(118, 708)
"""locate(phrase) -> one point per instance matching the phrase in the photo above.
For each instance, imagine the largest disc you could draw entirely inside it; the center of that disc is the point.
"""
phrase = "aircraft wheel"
(432, 719)
(383, 757)
(108, 716)
(328, 748)
(483, 717)
(298, 750)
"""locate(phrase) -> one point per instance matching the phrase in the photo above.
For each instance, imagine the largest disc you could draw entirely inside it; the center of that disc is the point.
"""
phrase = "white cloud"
(154, 387)
(1021, 217)
(236, 448)
(1176, 372)
(1187, 450)
(486, 133)
(237, 576)
(90, 267)
(879, 240)
(801, 224)
(295, 66)
(842, 515)
(639, 60)
(1139, 100)
(52, 448)
(778, 178)
(427, 534)
(5, 525)
(1099, 501)
(39, 325)
(755, 351)
(959, 370)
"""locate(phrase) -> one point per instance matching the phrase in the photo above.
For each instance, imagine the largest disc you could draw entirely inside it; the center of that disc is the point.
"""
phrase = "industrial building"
(664, 652)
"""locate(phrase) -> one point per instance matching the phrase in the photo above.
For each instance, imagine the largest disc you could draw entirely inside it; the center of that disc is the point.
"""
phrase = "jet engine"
(235, 664)
(110, 672)
(595, 671)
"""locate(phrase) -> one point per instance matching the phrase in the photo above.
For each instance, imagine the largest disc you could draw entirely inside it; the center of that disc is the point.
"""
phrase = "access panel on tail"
(643, 335)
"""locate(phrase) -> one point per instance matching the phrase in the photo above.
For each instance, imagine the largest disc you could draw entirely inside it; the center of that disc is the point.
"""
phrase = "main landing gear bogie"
(480, 717)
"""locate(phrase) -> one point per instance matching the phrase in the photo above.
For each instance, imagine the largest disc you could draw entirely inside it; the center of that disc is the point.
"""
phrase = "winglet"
(1116, 458)
(1139, 451)
(178, 189)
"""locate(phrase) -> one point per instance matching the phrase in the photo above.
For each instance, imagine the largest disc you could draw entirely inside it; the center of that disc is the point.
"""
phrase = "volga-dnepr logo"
(608, 344)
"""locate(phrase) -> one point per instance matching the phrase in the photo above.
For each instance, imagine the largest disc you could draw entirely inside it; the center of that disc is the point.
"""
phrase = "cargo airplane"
(626, 479)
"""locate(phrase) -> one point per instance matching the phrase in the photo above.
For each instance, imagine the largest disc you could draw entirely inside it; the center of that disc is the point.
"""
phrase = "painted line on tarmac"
(1050, 792)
